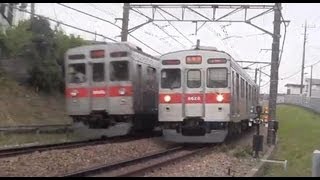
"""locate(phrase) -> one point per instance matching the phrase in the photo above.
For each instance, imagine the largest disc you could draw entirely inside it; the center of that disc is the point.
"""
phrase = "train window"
(151, 77)
(119, 71)
(237, 85)
(247, 96)
(194, 78)
(217, 78)
(171, 78)
(242, 87)
(98, 72)
(250, 93)
(77, 73)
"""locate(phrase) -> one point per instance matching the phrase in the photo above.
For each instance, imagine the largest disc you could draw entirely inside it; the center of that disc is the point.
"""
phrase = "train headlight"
(74, 93)
(167, 98)
(122, 91)
(220, 98)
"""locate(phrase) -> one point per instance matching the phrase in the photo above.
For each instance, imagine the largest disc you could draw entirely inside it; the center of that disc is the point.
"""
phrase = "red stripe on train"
(194, 98)
(97, 92)
(80, 92)
(114, 91)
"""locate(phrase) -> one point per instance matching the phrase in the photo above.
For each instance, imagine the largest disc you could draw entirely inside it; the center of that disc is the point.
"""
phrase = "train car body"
(204, 95)
(112, 83)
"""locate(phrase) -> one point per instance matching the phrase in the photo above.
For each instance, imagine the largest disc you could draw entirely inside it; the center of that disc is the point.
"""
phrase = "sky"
(242, 41)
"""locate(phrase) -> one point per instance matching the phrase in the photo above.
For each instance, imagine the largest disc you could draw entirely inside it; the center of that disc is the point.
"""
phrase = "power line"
(168, 34)
(111, 24)
(176, 29)
(108, 13)
(89, 15)
(300, 71)
(68, 25)
(161, 28)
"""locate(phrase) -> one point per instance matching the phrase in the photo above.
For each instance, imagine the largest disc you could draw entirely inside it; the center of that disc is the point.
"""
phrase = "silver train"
(204, 96)
(112, 84)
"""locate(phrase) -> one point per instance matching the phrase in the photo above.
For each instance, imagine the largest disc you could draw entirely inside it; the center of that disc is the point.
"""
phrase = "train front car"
(104, 86)
(195, 100)
(86, 85)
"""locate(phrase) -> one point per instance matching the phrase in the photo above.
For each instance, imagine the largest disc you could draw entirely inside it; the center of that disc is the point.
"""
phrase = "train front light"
(74, 93)
(122, 91)
(167, 98)
(220, 98)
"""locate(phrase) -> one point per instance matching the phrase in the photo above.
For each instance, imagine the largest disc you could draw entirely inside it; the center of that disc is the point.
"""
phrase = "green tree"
(43, 48)
(14, 39)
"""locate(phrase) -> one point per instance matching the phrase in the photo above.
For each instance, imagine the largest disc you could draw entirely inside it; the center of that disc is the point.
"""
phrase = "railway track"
(30, 149)
(135, 166)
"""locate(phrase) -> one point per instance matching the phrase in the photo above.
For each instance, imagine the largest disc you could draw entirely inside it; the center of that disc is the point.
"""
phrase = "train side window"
(217, 78)
(247, 94)
(171, 78)
(119, 71)
(194, 78)
(242, 87)
(151, 76)
(250, 95)
(233, 85)
(77, 73)
(237, 86)
(98, 72)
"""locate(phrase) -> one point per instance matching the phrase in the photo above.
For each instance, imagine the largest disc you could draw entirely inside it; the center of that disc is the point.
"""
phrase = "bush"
(43, 48)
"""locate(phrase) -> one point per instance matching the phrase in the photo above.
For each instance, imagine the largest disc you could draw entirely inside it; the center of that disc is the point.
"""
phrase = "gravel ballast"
(58, 162)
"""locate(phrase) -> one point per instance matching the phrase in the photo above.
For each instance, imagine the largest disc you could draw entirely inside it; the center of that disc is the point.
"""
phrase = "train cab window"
(194, 78)
(217, 78)
(119, 71)
(98, 72)
(171, 78)
(77, 73)
(242, 87)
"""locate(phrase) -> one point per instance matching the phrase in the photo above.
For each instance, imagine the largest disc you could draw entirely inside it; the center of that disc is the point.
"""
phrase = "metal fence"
(307, 102)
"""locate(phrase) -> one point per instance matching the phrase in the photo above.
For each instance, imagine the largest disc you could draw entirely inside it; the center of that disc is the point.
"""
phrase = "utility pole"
(311, 82)
(303, 56)
(272, 126)
(125, 22)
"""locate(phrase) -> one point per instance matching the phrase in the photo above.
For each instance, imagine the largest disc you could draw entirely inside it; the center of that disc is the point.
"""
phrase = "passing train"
(204, 96)
(112, 84)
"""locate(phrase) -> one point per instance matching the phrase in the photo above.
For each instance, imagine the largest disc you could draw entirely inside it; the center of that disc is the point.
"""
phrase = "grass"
(21, 105)
(298, 136)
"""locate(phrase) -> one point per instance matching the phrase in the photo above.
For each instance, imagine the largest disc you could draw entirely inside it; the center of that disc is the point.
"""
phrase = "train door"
(138, 89)
(194, 93)
(77, 90)
(98, 86)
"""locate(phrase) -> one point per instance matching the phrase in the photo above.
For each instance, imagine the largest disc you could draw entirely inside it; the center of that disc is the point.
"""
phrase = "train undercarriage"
(102, 120)
(199, 131)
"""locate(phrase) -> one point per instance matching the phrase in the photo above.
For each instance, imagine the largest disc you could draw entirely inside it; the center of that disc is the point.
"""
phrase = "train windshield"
(194, 78)
(171, 78)
(98, 72)
(77, 73)
(217, 78)
(119, 71)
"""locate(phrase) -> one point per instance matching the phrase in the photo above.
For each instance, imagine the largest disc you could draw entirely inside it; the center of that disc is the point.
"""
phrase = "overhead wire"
(111, 24)
(62, 23)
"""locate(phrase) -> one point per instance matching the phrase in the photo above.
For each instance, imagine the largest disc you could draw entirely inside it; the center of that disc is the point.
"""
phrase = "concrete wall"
(311, 103)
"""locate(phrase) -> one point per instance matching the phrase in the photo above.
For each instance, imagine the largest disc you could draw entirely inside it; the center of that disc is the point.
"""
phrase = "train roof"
(129, 45)
(211, 48)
